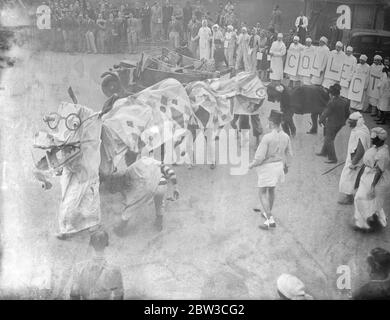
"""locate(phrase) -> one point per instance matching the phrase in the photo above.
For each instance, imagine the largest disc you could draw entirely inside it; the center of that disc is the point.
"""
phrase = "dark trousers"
(243, 123)
(328, 149)
(288, 124)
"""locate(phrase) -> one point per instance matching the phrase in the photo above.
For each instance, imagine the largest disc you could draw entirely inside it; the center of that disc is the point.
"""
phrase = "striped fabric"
(167, 174)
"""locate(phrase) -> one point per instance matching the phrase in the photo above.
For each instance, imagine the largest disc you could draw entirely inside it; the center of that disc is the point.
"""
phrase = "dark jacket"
(336, 113)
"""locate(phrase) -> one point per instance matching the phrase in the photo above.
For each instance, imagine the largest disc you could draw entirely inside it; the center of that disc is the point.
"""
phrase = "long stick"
(335, 167)
(72, 95)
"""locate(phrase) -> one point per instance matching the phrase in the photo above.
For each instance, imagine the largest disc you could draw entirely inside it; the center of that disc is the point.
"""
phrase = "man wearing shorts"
(271, 162)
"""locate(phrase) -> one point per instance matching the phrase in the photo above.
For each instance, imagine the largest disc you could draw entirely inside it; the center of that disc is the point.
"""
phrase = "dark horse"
(299, 100)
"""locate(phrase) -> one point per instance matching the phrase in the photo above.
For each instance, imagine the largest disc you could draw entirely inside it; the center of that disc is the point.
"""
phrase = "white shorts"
(270, 174)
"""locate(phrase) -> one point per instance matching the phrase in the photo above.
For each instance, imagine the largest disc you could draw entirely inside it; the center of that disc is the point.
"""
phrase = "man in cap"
(373, 100)
(333, 118)
(291, 288)
(336, 64)
(349, 66)
(364, 69)
(296, 47)
(96, 279)
(271, 161)
(358, 144)
(323, 49)
(243, 50)
(277, 52)
(309, 50)
(373, 185)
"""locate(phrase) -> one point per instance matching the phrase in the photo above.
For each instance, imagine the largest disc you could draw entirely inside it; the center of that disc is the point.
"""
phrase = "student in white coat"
(306, 80)
(350, 58)
(339, 58)
(277, 52)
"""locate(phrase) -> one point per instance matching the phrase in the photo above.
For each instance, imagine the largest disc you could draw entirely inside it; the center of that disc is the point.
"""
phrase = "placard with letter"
(304, 68)
(292, 62)
(318, 60)
(356, 87)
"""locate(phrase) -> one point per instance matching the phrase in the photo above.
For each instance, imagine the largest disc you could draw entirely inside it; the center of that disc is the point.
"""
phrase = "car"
(368, 42)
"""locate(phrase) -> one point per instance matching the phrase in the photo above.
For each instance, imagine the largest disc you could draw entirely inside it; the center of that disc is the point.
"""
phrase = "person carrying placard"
(362, 69)
(319, 70)
(374, 79)
(349, 66)
(334, 65)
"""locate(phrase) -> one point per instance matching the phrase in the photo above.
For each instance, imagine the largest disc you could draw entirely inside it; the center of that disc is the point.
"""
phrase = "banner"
(375, 76)
(347, 71)
(305, 63)
(334, 66)
(318, 60)
(292, 62)
(356, 88)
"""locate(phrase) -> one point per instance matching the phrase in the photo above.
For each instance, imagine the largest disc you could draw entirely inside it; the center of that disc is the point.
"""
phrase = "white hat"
(244, 29)
(377, 57)
(215, 26)
(280, 35)
(230, 27)
(324, 39)
(363, 57)
(292, 288)
(339, 44)
(349, 48)
(355, 116)
(379, 132)
(296, 38)
(309, 40)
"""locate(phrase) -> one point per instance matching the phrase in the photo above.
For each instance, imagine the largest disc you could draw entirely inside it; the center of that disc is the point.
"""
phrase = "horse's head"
(71, 141)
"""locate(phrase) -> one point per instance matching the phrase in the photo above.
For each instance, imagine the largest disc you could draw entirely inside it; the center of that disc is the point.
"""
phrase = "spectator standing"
(156, 22)
(132, 38)
(217, 47)
(101, 34)
(230, 45)
(97, 279)
(145, 16)
(384, 96)
(254, 45)
(194, 27)
(378, 287)
(263, 61)
(174, 33)
(301, 24)
(90, 36)
(167, 12)
(187, 14)
(204, 36)
(121, 24)
(243, 55)
(276, 19)
(110, 33)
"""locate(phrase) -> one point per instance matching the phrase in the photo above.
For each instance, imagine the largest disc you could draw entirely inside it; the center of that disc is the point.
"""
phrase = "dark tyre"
(111, 85)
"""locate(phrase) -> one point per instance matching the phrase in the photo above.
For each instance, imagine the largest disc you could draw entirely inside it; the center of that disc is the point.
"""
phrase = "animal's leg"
(159, 204)
(314, 125)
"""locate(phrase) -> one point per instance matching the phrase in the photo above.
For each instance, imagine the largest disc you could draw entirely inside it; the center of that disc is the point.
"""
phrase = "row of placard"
(339, 68)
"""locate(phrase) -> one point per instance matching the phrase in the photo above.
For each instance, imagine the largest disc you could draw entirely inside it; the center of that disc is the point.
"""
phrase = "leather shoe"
(331, 161)
(320, 154)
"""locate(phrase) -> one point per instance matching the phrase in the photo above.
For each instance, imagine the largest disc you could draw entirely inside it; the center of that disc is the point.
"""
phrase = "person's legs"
(314, 125)
(159, 204)
(329, 141)
(256, 127)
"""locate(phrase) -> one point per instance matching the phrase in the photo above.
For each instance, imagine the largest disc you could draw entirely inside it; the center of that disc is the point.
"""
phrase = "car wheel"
(111, 85)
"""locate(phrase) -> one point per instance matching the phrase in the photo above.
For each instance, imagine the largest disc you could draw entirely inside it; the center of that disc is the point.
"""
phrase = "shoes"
(320, 154)
(312, 132)
(212, 166)
(363, 230)
(62, 236)
(268, 224)
(331, 161)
